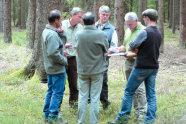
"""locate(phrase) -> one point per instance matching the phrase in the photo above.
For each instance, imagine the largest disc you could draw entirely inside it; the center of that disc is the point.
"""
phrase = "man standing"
(104, 25)
(54, 62)
(146, 45)
(134, 27)
(92, 46)
(71, 27)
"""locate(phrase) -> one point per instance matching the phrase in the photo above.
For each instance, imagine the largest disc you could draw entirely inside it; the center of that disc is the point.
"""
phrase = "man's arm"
(53, 50)
(114, 41)
(140, 38)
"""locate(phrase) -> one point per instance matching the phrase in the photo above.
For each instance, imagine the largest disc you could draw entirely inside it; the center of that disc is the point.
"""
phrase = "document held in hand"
(118, 54)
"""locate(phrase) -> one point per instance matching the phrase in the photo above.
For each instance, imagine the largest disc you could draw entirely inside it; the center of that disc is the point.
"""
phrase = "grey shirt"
(92, 45)
(53, 51)
(140, 38)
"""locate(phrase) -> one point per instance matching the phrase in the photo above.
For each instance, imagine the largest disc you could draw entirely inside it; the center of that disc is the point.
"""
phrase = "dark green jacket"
(92, 45)
(53, 51)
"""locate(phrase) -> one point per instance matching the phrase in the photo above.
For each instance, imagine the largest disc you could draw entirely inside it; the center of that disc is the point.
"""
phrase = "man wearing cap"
(134, 27)
(91, 63)
(71, 27)
(146, 45)
(104, 25)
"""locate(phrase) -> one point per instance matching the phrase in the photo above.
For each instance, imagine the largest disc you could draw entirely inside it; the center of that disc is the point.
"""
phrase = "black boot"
(106, 104)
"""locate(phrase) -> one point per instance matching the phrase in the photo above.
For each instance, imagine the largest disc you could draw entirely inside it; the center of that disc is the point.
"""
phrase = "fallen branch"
(174, 105)
(177, 63)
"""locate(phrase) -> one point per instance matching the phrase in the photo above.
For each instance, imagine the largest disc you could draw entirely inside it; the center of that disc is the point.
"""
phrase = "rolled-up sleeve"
(140, 38)
(114, 41)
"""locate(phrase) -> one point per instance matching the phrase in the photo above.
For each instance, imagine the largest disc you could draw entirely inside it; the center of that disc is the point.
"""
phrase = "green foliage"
(169, 37)
(21, 103)
(14, 77)
(151, 4)
(1, 37)
(66, 15)
(18, 37)
(70, 1)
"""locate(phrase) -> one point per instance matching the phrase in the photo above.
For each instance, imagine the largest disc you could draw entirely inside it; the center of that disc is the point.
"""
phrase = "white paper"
(118, 54)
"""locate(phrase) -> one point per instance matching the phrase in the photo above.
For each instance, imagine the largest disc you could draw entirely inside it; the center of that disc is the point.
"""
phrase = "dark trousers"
(104, 92)
(72, 80)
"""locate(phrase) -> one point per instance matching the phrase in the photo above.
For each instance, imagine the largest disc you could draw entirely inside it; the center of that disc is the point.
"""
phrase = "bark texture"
(183, 23)
(7, 22)
(119, 20)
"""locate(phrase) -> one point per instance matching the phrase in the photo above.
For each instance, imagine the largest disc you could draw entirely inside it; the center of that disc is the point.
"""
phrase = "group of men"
(82, 52)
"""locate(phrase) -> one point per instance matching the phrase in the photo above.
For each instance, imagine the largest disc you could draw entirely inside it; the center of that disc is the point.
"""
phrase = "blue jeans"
(54, 96)
(136, 77)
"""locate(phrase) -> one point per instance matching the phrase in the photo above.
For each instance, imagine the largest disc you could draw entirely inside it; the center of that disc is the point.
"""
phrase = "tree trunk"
(7, 22)
(183, 24)
(90, 5)
(1, 15)
(23, 15)
(119, 20)
(14, 11)
(174, 17)
(156, 3)
(19, 13)
(131, 5)
(161, 23)
(80, 3)
(54, 4)
(107, 3)
(61, 5)
(142, 6)
(36, 61)
(170, 13)
(177, 11)
(31, 24)
(96, 8)
(66, 7)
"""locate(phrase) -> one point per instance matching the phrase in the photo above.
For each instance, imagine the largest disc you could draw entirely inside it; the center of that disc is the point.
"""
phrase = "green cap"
(150, 13)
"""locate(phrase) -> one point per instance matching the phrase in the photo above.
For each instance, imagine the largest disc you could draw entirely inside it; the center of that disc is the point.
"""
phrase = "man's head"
(55, 18)
(150, 15)
(104, 14)
(131, 20)
(76, 15)
(89, 18)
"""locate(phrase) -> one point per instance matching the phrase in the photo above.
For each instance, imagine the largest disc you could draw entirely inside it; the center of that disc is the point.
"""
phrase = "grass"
(21, 101)
(18, 37)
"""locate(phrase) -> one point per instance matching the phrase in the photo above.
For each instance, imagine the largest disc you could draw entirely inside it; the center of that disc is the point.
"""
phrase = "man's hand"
(60, 28)
(122, 48)
(68, 45)
(130, 55)
(116, 49)
(133, 50)
(65, 54)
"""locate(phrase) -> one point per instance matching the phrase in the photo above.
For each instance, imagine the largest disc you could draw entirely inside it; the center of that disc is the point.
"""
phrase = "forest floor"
(22, 102)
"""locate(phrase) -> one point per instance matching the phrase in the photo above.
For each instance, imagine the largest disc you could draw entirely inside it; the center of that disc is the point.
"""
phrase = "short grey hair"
(104, 9)
(131, 16)
(76, 10)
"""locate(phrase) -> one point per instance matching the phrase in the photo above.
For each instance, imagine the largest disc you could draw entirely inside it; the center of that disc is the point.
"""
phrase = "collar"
(152, 26)
(51, 27)
(70, 26)
(90, 27)
(105, 26)
(138, 27)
